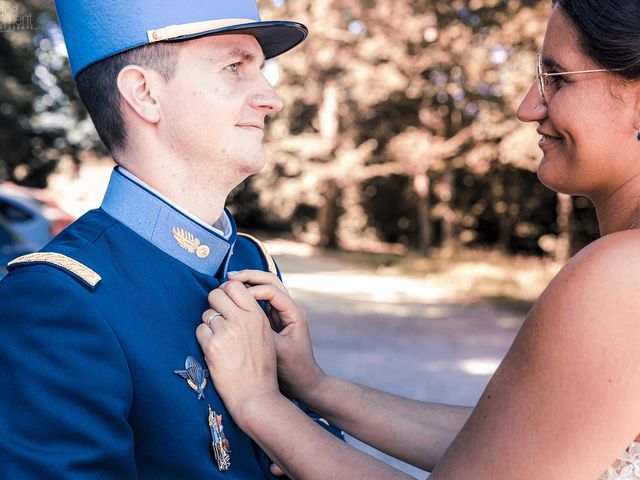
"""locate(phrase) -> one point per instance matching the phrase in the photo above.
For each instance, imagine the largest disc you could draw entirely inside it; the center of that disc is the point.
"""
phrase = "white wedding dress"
(627, 465)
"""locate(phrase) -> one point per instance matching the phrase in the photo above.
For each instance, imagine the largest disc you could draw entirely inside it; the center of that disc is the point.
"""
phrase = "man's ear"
(136, 88)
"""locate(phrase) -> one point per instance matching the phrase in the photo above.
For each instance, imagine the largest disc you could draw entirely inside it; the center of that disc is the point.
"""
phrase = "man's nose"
(267, 99)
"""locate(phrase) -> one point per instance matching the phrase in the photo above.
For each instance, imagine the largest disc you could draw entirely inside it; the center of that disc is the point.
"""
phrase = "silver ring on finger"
(212, 318)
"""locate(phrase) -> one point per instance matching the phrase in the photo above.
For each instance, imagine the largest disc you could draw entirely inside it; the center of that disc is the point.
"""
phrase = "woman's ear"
(635, 98)
(135, 85)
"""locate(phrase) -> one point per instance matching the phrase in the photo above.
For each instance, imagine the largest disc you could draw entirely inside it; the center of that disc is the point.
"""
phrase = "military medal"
(195, 375)
(219, 442)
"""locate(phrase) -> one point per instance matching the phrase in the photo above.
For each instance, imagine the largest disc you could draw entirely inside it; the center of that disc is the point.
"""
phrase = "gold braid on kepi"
(271, 265)
(61, 261)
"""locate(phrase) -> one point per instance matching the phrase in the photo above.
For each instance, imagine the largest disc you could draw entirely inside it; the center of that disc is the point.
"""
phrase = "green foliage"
(400, 124)
(41, 118)
(384, 92)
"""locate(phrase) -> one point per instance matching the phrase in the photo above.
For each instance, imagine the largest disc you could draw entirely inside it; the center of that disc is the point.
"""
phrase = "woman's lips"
(548, 141)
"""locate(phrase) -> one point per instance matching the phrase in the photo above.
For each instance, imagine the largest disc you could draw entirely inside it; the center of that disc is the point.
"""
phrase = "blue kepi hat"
(97, 29)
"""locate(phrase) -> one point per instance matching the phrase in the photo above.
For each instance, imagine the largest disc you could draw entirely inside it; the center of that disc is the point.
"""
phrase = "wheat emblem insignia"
(185, 239)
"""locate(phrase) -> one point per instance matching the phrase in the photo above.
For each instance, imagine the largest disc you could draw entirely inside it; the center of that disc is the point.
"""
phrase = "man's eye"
(233, 68)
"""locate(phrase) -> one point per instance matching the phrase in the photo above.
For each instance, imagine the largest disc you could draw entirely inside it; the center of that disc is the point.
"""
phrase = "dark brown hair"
(98, 89)
(608, 31)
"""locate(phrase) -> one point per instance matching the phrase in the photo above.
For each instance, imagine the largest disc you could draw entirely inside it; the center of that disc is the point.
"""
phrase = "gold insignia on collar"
(190, 243)
(185, 239)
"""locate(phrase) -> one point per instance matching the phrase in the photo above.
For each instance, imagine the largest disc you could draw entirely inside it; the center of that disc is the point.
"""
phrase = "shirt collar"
(173, 230)
(222, 226)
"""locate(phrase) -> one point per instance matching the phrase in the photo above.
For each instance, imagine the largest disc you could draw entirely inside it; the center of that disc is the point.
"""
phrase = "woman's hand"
(239, 348)
(298, 372)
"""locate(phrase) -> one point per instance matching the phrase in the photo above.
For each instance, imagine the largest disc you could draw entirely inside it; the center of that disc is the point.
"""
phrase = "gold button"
(203, 251)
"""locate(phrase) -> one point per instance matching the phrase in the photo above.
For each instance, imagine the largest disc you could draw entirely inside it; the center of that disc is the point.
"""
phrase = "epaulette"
(271, 265)
(74, 268)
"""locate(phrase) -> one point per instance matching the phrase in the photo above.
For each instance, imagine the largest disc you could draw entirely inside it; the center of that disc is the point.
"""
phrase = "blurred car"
(29, 219)
(11, 246)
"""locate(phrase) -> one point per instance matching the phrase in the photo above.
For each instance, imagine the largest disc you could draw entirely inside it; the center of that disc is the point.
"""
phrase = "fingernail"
(232, 274)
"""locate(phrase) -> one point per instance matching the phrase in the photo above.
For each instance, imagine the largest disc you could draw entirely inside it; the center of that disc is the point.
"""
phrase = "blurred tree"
(422, 89)
(400, 124)
(41, 118)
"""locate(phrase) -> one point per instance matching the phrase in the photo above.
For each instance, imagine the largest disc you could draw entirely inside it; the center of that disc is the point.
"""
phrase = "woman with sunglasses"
(564, 403)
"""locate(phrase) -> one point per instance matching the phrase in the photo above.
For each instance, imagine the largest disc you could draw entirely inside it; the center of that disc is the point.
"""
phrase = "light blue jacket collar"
(169, 229)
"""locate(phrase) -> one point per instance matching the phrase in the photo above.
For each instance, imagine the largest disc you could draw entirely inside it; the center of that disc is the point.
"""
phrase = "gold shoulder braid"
(61, 261)
(271, 265)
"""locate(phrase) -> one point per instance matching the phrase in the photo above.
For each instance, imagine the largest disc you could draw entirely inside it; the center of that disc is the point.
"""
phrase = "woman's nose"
(532, 108)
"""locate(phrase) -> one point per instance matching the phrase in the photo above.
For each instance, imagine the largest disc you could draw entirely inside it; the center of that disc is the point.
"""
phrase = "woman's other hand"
(298, 371)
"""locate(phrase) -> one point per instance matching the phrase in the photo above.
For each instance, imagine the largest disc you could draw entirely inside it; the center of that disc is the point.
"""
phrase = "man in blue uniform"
(101, 375)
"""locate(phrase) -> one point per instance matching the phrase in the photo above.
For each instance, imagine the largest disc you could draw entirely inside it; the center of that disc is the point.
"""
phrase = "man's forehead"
(218, 47)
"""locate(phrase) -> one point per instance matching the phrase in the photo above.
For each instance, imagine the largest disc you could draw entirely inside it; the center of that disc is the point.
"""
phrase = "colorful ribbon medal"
(219, 442)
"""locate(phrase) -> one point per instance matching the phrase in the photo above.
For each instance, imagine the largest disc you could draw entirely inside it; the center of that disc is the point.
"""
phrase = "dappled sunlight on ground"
(469, 276)
(479, 366)
(366, 287)
(472, 366)
(421, 335)
(290, 247)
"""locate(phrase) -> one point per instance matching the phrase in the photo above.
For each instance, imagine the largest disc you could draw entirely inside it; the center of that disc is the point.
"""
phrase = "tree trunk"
(504, 235)
(563, 218)
(328, 214)
(449, 215)
(328, 120)
(421, 186)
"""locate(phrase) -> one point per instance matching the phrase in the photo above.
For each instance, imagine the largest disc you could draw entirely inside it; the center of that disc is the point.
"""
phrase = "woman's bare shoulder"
(565, 397)
(603, 277)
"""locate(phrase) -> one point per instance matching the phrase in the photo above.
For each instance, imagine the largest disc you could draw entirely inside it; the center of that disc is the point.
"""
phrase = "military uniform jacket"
(90, 337)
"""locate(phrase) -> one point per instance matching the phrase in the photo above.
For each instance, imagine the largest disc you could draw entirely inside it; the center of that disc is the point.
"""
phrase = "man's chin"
(258, 161)
(254, 164)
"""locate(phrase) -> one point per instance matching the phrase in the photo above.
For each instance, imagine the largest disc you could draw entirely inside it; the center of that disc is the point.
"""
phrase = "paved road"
(398, 334)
